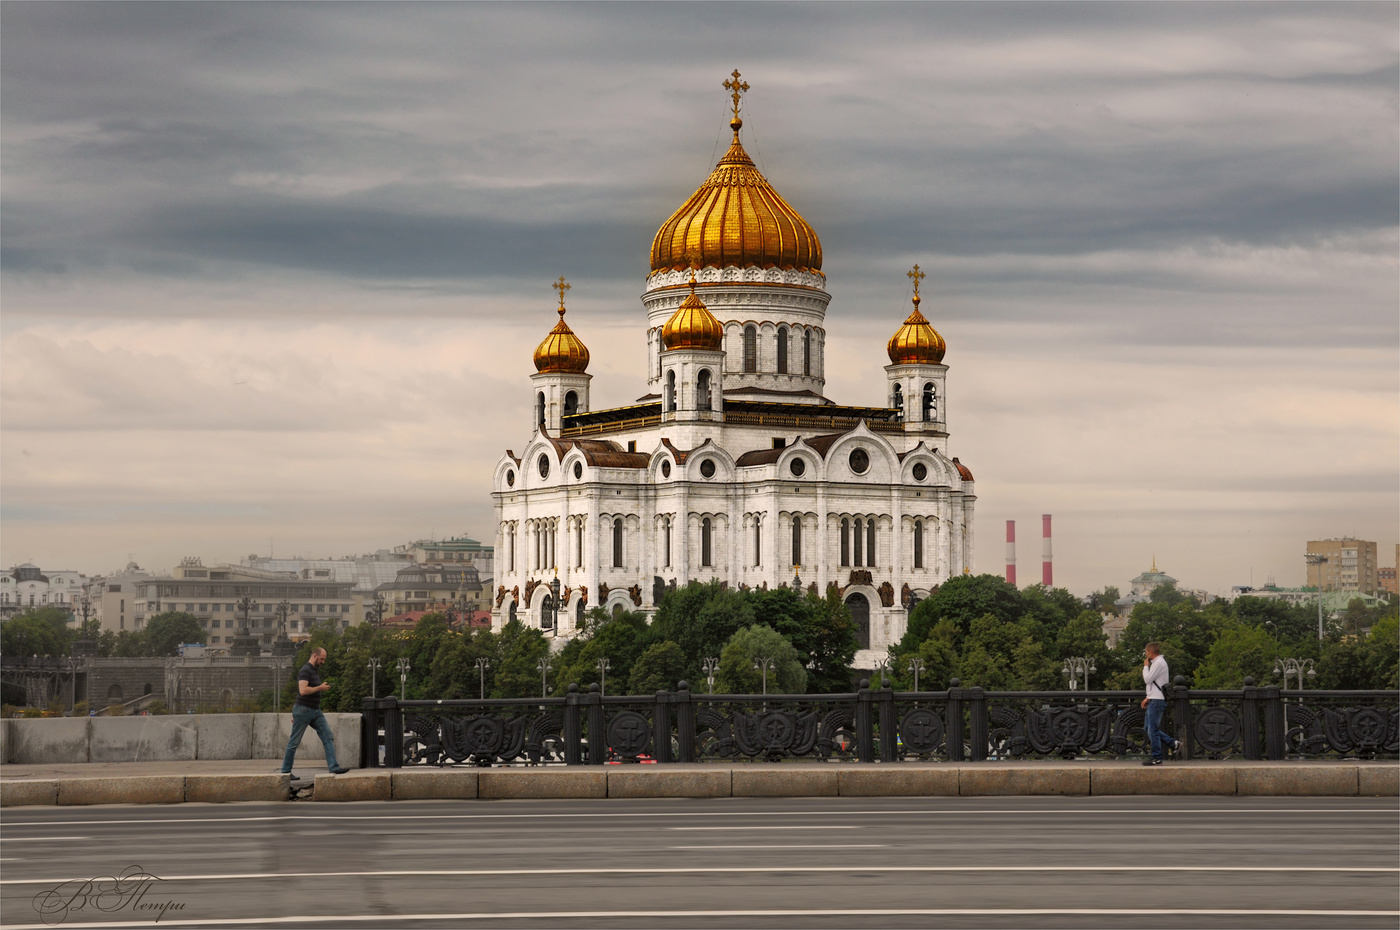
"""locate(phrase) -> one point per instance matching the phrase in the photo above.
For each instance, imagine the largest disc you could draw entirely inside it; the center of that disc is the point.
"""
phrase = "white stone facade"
(615, 500)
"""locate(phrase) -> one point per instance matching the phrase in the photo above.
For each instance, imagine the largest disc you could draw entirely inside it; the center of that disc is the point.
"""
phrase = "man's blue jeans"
(1160, 740)
(303, 717)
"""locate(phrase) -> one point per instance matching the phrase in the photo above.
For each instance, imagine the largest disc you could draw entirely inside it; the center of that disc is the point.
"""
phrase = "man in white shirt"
(1156, 675)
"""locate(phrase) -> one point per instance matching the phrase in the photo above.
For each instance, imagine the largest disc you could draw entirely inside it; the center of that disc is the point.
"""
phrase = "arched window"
(797, 540)
(666, 531)
(845, 541)
(782, 349)
(702, 390)
(930, 403)
(757, 541)
(539, 409)
(806, 351)
(705, 543)
(918, 543)
(570, 403)
(660, 347)
(860, 615)
(578, 547)
(671, 390)
(617, 542)
(899, 401)
(870, 543)
(750, 348)
(859, 540)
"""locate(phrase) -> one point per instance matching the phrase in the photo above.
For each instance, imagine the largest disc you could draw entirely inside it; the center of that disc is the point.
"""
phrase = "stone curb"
(364, 785)
(219, 789)
(27, 793)
(147, 789)
(706, 781)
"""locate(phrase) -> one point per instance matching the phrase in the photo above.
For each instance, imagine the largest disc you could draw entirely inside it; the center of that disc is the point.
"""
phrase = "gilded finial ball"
(736, 124)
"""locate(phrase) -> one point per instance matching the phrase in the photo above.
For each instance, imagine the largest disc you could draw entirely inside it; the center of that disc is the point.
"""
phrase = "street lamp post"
(1313, 558)
(764, 665)
(1291, 667)
(882, 666)
(543, 666)
(916, 665)
(279, 665)
(482, 664)
(711, 666)
(72, 664)
(1077, 669)
(603, 667)
(404, 669)
(373, 667)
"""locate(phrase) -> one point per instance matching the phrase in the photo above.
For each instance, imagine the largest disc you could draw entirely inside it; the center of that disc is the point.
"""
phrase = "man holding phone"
(306, 712)
(1156, 675)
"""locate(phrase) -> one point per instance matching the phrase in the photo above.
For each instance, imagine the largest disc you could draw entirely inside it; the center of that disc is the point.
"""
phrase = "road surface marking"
(692, 870)
(563, 815)
(379, 918)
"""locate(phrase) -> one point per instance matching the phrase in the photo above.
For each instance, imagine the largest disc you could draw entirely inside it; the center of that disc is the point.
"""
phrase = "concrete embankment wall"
(168, 738)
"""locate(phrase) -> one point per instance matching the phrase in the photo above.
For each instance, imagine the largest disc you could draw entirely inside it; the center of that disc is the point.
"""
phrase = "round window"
(510, 478)
(920, 471)
(578, 470)
(665, 469)
(707, 468)
(860, 461)
(797, 467)
(544, 466)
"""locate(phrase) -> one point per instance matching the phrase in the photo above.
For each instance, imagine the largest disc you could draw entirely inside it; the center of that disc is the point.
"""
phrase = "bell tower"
(561, 376)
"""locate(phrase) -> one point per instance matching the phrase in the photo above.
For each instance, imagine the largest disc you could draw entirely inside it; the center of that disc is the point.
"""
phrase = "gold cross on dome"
(916, 276)
(738, 87)
(561, 286)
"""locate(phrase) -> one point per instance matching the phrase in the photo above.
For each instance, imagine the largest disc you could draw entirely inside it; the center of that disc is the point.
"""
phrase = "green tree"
(737, 674)
(1238, 651)
(166, 632)
(1363, 663)
(620, 638)
(1105, 600)
(41, 631)
(518, 654)
(660, 668)
(701, 618)
(962, 600)
(819, 627)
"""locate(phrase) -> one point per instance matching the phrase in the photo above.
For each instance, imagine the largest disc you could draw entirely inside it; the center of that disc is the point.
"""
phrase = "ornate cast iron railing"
(874, 724)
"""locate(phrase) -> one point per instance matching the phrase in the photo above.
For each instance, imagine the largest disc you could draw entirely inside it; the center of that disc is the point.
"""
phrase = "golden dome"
(561, 349)
(692, 326)
(916, 342)
(736, 218)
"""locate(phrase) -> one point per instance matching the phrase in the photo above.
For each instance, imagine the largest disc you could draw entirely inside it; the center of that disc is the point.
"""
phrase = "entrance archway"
(859, 607)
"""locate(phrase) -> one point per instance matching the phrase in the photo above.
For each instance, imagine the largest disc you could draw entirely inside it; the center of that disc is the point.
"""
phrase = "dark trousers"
(303, 717)
(1160, 740)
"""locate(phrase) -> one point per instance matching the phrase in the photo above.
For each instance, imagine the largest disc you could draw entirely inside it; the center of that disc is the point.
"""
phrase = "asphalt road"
(834, 862)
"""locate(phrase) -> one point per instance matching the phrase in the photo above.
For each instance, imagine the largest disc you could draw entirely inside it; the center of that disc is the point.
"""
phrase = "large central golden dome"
(736, 218)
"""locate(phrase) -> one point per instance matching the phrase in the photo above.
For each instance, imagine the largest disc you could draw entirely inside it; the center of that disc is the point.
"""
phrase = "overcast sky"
(272, 273)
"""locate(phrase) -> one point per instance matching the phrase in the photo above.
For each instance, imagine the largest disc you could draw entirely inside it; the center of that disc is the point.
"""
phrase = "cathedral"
(734, 465)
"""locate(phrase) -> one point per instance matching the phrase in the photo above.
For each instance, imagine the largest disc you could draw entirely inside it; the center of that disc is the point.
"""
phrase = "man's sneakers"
(1151, 761)
(339, 770)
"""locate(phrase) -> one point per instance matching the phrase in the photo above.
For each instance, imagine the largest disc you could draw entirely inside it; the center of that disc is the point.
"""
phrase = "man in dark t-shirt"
(306, 712)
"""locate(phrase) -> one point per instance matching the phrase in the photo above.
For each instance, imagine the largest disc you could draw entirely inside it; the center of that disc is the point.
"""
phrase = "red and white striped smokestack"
(1047, 574)
(1011, 552)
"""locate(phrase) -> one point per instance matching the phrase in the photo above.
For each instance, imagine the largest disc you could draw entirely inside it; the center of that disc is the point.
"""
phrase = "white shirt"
(1157, 678)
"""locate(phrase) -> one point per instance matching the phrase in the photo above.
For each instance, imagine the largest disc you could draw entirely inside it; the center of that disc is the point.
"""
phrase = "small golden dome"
(736, 218)
(561, 349)
(916, 342)
(693, 326)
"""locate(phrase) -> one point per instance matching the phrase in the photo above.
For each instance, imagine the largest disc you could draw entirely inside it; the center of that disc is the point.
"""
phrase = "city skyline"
(272, 275)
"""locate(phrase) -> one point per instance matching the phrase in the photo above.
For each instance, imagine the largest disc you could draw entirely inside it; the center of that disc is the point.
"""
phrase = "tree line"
(977, 629)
